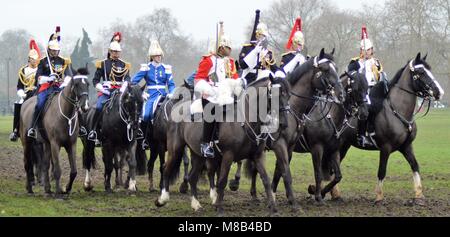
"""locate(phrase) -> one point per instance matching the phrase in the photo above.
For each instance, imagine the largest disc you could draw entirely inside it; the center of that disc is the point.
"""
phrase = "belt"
(156, 87)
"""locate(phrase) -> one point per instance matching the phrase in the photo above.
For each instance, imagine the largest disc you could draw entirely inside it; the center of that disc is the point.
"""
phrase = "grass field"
(432, 148)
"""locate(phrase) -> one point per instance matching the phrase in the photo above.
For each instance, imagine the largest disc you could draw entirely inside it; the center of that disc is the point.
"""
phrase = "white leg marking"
(87, 179)
(195, 204)
(132, 185)
(379, 190)
(418, 185)
(213, 195)
(164, 198)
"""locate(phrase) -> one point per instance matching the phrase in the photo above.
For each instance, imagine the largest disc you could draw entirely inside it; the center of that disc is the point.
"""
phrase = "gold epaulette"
(128, 65)
(98, 63)
(67, 61)
(247, 45)
(355, 58)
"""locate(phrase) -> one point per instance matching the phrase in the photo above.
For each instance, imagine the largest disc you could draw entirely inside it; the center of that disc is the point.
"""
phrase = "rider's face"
(114, 54)
(53, 53)
(225, 51)
(157, 58)
(368, 53)
(32, 62)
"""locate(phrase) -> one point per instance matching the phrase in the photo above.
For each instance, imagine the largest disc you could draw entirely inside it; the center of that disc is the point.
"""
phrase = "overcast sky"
(195, 17)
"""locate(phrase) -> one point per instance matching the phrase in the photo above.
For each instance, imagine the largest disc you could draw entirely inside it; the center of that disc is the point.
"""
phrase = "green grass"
(432, 148)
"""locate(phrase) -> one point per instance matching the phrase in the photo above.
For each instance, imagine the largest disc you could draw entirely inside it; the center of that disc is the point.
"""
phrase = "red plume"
(364, 34)
(117, 37)
(57, 33)
(34, 46)
(297, 27)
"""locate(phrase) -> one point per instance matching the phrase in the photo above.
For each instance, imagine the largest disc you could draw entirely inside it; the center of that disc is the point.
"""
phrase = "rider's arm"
(169, 78)
(98, 73)
(68, 64)
(142, 74)
(127, 76)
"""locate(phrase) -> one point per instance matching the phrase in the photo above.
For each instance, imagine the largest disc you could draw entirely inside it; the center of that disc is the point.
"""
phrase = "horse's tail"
(141, 160)
(89, 161)
(249, 168)
(173, 165)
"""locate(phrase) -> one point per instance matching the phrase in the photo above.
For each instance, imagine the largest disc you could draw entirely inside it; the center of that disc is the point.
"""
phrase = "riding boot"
(145, 134)
(32, 131)
(82, 132)
(363, 140)
(140, 133)
(15, 133)
(93, 136)
(206, 147)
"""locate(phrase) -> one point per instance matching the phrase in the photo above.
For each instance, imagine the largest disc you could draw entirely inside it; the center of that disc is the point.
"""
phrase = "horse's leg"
(28, 166)
(408, 153)
(317, 154)
(234, 183)
(71, 153)
(335, 164)
(151, 165)
(132, 166)
(117, 163)
(45, 166)
(253, 192)
(384, 156)
(198, 163)
(184, 186)
(277, 173)
(109, 166)
(88, 158)
(282, 156)
(212, 166)
(335, 192)
(259, 163)
(227, 161)
(55, 149)
(162, 161)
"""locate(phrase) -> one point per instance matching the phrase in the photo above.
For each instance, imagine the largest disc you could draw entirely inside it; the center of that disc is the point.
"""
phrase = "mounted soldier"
(113, 71)
(26, 85)
(52, 74)
(371, 67)
(157, 77)
(255, 59)
(295, 46)
(215, 81)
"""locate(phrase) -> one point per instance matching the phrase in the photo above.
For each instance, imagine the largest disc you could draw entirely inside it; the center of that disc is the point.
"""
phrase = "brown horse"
(237, 140)
(60, 126)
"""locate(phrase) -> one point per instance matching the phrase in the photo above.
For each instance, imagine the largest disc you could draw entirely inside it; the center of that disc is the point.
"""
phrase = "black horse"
(120, 123)
(157, 140)
(392, 120)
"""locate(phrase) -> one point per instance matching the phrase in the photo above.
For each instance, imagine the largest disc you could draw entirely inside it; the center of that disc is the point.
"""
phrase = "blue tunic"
(157, 78)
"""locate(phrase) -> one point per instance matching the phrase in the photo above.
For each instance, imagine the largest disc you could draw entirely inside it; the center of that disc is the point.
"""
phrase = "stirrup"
(82, 132)
(207, 150)
(98, 143)
(139, 134)
(145, 145)
(13, 136)
(32, 133)
(92, 136)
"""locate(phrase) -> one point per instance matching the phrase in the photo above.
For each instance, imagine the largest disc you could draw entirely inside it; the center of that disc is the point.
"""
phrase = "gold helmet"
(262, 29)
(223, 40)
(54, 41)
(115, 42)
(34, 52)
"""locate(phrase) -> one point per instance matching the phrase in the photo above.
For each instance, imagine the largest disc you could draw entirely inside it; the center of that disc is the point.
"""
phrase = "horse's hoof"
(273, 212)
(417, 202)
(220, 212)
(30, 193)
(152, 190)
(108, 191)
(158, 204)
(88, 188)
(255, 200)
(378, 203)
(184, 188)
(234, 185)
(337, 200)
(312, 189)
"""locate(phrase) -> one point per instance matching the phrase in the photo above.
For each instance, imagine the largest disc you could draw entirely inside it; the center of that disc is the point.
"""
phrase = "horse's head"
(326, 79)
(423, 82)
(355, 88)
(318, 74)
(131, 101)
(80, 88)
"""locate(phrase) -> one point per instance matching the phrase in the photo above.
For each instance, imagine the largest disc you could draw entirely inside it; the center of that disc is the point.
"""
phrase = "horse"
(158, 141)
(237, 140)
(315, 77)
(392, 118)
(59, 129)
(120, 123)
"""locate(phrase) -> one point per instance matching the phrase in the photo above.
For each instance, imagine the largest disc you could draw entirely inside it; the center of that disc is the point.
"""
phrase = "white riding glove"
(21, 94)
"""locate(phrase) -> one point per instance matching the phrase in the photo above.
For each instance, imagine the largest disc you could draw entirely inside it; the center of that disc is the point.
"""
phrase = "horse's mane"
(83, 71)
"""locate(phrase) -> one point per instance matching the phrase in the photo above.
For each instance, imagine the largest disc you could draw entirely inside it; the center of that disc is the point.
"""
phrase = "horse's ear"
(425, 57)
(142, 87)
(322, 53)
(87, 69)
(418, 57)
(332, 52)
